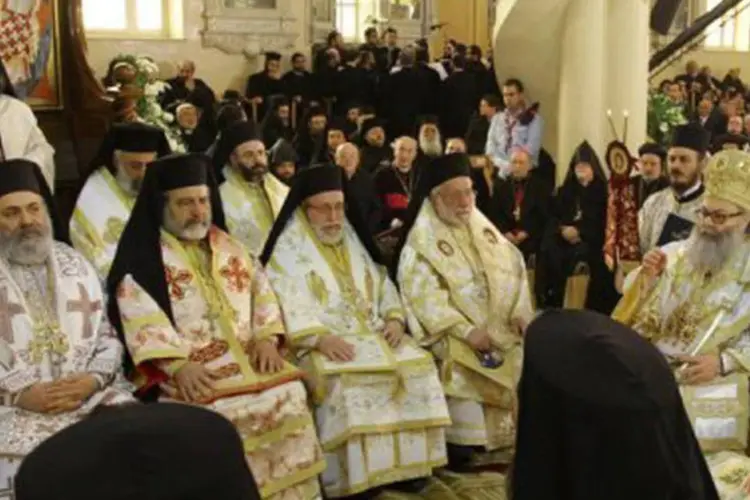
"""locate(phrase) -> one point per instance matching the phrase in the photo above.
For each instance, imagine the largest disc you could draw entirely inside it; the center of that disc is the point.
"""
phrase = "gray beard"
(193, 231)
(710, 253)
(130, 186)
(27, 247)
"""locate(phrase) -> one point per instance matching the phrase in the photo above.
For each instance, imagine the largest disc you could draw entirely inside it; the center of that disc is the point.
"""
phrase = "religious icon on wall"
(30, 50)
(401, 10)
(245, 4)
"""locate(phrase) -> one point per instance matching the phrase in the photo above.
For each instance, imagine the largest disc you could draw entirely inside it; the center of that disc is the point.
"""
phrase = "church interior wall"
(219, 69)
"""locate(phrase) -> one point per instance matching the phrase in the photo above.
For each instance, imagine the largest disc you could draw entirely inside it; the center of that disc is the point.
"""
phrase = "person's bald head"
(455, 145)
(404, 152)
(186, 69)
(347, 157)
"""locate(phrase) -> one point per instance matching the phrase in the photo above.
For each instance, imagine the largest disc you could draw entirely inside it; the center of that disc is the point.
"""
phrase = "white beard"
(431, 148)
(710, 253)
(130, 186)
(327, 237)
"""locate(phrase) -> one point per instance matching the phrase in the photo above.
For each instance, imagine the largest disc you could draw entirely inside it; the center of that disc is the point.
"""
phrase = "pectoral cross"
(517, 213)
(87, 307)
(8, 310)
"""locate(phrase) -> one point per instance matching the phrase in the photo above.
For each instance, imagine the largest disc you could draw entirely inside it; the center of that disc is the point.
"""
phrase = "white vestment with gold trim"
(381, 417)
(53, 324)
(99, 218)
(453, 281)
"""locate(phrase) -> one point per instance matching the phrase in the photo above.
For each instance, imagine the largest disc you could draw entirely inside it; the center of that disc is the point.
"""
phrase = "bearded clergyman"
(107, 197)
(59, 356)
(379, 406)
(202, 325)
(252, 196)
(466, 294)
(692, 300)
(668, 214)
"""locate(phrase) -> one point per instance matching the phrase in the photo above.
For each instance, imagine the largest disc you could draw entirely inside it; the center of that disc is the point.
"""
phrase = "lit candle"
(625, 113)
(609, 113)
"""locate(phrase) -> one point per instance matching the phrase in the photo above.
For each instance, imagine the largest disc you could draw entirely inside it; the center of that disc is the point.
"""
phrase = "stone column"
(626, 76)
(581, 110)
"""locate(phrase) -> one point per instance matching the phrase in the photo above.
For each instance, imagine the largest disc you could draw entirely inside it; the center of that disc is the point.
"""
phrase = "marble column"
(583, 66)
(627, 43)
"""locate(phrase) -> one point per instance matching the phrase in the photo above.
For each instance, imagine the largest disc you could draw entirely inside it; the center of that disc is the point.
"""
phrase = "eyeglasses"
(326, 209)
(716, 216)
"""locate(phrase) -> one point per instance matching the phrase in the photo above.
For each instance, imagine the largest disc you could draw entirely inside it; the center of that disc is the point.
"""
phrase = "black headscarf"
(441, 169)
(163, 451)
(133, 137)
(139, 251)
(584, 153)
(600, 416)
(24, 175)
(309, 182)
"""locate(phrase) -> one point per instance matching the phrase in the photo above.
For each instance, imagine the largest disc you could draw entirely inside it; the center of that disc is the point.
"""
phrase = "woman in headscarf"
(576, 235)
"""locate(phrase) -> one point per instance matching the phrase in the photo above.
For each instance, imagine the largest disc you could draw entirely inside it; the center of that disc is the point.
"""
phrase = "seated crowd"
(346, 266)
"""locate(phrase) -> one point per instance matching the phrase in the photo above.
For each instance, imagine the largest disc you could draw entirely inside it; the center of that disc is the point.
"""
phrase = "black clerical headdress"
(722, 141)
(164, 451)
(132, 137)
(282, 152)
(6, 87)
(441, 169)
(309, 182)
(368, 125)
(234, 135)
(139, 250)
(600, 416)
(652, 148)
(23, 175)
(272, 56)
(584, 153)
(692, 136)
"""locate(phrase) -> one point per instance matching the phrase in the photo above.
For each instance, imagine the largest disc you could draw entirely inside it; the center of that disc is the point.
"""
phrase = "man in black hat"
(466, 293)
(251, 195)
(335, 137)
(310, 140)
(652, 176)
(262, 85)
(58, 353)
(109, 192)
(344, 316)
(600, 416)
(375, 152)
(202, 324)
(160, 451)
(730, 141)
(428, 136)
(20, 135)
(283, 161)
(685, 160)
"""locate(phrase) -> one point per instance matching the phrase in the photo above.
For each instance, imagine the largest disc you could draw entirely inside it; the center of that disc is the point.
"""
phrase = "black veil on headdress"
(134, 137)
(24, 175)
(311, 181)
(584, 153)
(441, 169)
(600, 416)
(139, 251)
(6, 87)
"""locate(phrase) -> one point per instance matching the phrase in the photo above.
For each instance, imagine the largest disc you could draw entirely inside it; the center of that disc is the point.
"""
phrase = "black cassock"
(300, 84)
(405, 95)
(459, 97)
(584, 208)
(522, 205)
(644, 189)
(262, 85)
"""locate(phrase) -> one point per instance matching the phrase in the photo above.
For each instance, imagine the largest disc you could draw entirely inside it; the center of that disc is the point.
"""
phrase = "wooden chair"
(577, 286)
